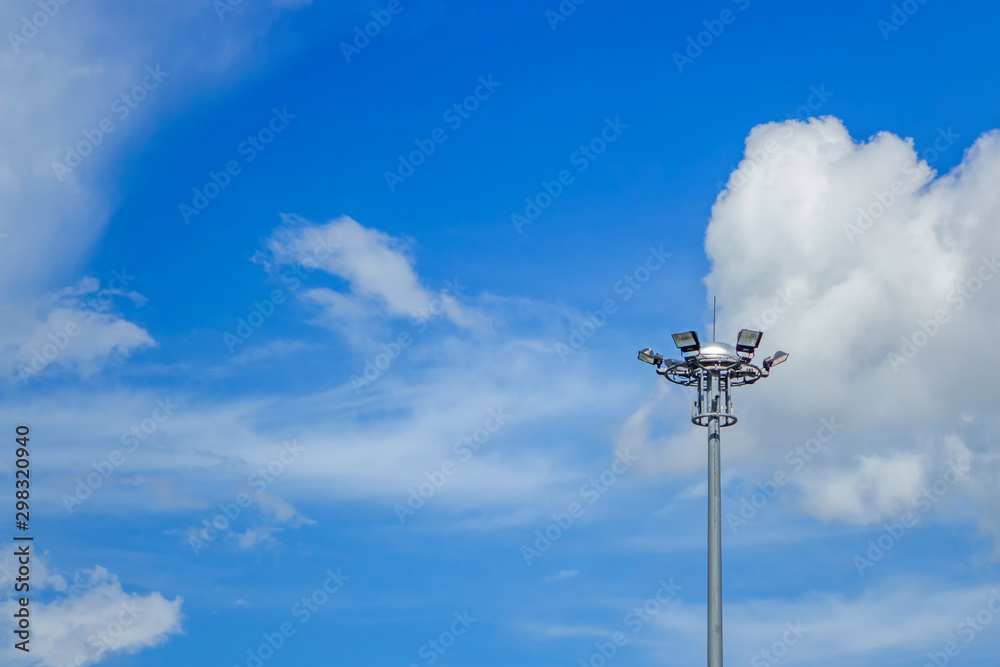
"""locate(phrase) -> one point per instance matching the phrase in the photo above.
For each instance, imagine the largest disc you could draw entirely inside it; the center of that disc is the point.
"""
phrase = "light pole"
(714, 368)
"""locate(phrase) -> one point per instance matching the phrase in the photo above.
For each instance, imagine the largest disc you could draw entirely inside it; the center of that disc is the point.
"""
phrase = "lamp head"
(687, 342)
(748, 340)
(778, 357)
(650, 357)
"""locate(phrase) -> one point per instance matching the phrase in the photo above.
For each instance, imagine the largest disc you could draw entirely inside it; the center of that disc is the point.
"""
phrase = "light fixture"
(748, 340)
(714, 369)
(779, 357)
(686, 342)
(650, 357)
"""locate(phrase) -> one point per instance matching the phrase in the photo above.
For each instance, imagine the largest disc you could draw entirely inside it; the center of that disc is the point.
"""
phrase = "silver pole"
(715, 368)
(714, 527)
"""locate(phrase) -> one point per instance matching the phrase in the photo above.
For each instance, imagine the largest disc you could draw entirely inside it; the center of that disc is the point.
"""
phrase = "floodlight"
(779, 357)
(748, 340)
(650, 357)
(687, 341)
(714, 368)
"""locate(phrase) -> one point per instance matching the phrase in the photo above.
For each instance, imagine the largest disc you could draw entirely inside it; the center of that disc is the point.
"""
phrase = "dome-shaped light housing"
(717, 355)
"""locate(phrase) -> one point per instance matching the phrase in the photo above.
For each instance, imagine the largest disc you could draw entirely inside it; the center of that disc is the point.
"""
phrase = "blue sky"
(386, 385)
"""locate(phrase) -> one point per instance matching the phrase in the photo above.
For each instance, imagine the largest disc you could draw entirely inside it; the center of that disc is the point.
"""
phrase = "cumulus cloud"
(875, 487)
(878, 276)
(91, 619)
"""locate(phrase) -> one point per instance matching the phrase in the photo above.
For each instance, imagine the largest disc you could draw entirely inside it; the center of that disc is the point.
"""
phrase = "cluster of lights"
(714, 368)
(747, 342)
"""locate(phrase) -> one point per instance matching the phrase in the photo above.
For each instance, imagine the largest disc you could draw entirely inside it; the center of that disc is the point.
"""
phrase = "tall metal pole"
(714, 368)
(714, 526)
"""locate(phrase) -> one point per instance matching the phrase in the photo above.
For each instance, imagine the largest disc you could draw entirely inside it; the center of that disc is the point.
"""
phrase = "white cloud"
(92, 619)
(842, 250)
(375, 444)
(254, 536)
(900, 621)
(280, 510)
(875, 487)
(61, 81)
(75, 329)
(377, 267)
(273, 350)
